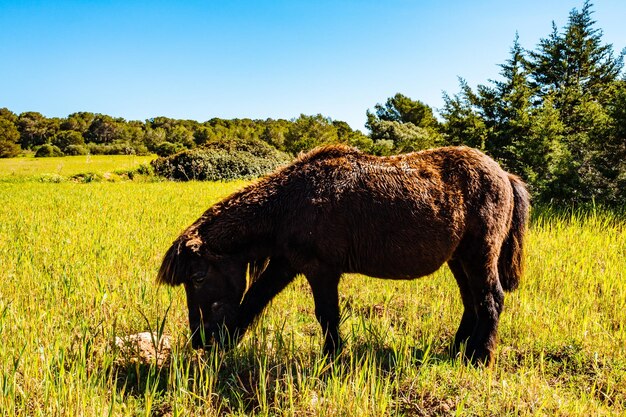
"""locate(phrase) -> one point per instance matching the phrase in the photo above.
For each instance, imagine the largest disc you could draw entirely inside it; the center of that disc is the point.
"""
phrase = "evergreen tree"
(579, 73)
(274, 133)
(509, 114)
(35, 129)
(8, 115)
(307, 132)
(78, 122)
(402, 109)
(463, 125)
(103, 129)
(575, 66)
(553, 117)
(408, 125)
(66, 138)
(9, 137)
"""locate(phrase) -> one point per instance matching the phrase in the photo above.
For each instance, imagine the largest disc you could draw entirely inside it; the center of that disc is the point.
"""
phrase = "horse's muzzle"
(202, 337)
(213, 336)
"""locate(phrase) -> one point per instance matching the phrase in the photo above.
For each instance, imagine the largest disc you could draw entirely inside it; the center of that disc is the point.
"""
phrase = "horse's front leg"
(326, 296)
(271, 282)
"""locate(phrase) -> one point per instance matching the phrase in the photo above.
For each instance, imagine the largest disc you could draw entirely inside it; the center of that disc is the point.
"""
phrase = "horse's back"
(395, 217)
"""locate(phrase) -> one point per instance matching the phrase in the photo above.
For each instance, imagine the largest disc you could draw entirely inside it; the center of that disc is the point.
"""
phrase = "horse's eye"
(198, 278)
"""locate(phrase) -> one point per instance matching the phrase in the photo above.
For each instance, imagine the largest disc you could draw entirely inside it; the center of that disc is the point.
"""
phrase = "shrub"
(223, 160)
(67, 138)
(167, 149)
(113, 149)
(50, 178)
(9, 149)
(143, 170)
(95, 149)
(141, 149)
(48, 150)
(76, 150)
(87, 177)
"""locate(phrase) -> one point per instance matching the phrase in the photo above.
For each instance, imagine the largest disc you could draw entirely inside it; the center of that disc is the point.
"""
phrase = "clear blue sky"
(260, 59)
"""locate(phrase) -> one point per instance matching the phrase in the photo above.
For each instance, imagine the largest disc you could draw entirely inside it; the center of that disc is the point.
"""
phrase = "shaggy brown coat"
(337, 210)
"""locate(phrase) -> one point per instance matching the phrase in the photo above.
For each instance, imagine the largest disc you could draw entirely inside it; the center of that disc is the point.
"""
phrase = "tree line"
(84, 132)
(556, 117)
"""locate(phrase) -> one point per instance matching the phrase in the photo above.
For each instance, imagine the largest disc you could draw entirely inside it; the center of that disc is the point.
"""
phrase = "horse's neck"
(242, 229)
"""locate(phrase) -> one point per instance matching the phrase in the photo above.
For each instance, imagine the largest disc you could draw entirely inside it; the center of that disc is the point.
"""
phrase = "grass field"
(30, 168)
(77, 267)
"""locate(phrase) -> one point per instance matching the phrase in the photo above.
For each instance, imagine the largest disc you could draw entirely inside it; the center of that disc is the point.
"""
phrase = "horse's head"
(214, 286)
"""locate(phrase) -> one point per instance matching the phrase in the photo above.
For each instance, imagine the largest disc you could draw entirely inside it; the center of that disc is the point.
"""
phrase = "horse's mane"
(173, 270)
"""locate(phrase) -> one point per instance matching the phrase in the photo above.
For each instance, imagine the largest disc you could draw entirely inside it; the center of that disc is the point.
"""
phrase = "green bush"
(223, 160)
(67, 138)
(143, 170)
(165, 149)
(141, 149)
(48, 150)
(50, 178)
(87, 177)
(9, 149)
(76, 150)
(113, 149)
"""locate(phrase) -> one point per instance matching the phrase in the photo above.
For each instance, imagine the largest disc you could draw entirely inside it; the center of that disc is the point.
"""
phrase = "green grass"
(77, 267)
(47, 168)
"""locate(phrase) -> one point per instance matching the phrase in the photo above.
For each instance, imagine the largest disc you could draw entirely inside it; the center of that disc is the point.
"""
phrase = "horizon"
(264, 60)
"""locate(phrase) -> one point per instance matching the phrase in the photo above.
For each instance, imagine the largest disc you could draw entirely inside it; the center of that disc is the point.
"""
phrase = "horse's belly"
(401, 258)
(399, 241)
(399, 267)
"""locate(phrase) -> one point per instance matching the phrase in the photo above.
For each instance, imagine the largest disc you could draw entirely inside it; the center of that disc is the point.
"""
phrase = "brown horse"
(337, 210)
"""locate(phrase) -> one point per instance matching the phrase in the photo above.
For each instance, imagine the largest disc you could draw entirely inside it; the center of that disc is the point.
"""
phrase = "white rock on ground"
(140, 347)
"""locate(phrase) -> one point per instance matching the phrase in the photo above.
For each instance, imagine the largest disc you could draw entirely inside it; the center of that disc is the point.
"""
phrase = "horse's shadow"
(137, 378)
(237, 374)
(387, 359)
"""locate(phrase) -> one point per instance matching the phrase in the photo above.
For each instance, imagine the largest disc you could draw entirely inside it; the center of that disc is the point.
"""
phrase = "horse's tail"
(511, 261)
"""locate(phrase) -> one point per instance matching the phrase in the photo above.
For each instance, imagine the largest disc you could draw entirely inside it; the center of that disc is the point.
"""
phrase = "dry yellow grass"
(77, 266)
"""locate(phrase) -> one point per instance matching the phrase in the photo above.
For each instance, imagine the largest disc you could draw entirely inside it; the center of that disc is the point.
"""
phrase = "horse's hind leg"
(488, 298)
(325, 293)
(470, 317)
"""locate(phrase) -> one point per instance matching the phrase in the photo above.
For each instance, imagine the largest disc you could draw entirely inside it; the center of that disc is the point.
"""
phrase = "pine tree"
(9, 137)
(576, 74)
(498, 117)
(403, 125)
(553, 117)
(463, 125)
(509, 106)
(575, 67)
